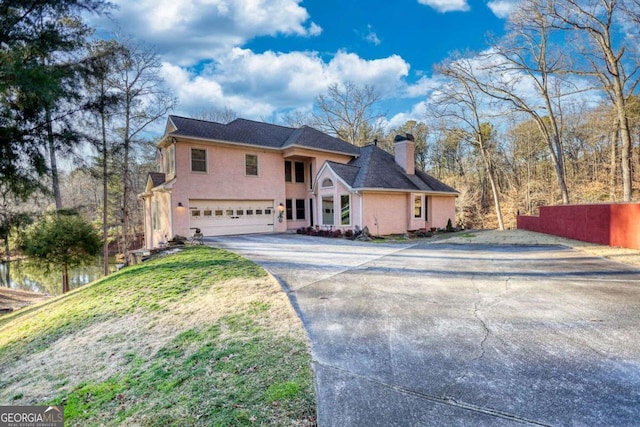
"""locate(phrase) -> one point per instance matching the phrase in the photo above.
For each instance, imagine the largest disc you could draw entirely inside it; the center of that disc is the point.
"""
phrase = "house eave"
(236, 144)
(322, 150)
(255, 146)
(165, 186)
(399, 190)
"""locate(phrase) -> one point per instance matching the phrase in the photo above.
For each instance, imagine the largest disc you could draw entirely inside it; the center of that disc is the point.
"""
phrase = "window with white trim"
(251, 165)
(326, 183)
(294, 171)
(170, 160)
(300, 211)
(289, 209)
(299, 171)
(327, 210)
(345, 209)
(287, 171)
(417, 206)
(198, 160)
(156, 214)
(295, 209)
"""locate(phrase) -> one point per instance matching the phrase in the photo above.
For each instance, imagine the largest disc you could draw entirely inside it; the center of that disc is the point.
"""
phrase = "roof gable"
(377, 169)
(155, 179)
(309, 137)
(347, 173)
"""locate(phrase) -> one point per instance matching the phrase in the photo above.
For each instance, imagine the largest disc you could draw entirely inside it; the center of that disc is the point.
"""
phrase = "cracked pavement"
(423, 334)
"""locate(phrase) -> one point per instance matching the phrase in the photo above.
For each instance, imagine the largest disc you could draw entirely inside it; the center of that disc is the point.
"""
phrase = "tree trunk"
(625, 155)
(7, 279)
(613, 181)
(492, 181)
(7, 254)
(55, 181)
(496, 197)
(125, 177)
(65, 279)
(105, 192)
(105, 213)
(555, 146)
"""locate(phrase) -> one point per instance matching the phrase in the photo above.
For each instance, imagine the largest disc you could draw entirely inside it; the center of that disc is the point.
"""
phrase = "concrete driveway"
(461, 334)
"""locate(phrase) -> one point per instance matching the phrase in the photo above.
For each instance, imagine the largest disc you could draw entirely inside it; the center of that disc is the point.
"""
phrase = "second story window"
(294, 171)
(198, 160)
(287, 171)
(299, 169)
(170, 160)
(251, 165)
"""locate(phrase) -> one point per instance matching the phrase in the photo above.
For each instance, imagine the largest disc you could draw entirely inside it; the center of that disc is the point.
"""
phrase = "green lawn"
(198, 337)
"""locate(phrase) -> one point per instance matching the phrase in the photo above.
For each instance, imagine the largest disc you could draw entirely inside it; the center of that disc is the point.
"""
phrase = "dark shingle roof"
(309, 137)
(348, 173)
(157, 178)
(372, 167)
(375, 168)
(260, 134)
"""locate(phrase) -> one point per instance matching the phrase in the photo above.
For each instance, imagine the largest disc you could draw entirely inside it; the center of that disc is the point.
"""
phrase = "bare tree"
(604, 44)
(103, 102)
(349, 112)
(144, 100)
(224, 116)
(525, 56)
(297, 118)
(462, 102)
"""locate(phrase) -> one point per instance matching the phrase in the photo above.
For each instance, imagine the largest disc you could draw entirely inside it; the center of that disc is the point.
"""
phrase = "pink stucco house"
(252, 177)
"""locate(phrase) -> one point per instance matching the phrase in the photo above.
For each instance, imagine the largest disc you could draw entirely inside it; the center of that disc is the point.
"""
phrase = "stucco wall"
(225, 179)
(163, 232)
(441, 209)
(385, 213)
(605, 224)
(393, 213)
(148, 231)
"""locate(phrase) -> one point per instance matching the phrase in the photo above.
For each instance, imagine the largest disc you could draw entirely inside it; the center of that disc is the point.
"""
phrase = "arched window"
(327, 183)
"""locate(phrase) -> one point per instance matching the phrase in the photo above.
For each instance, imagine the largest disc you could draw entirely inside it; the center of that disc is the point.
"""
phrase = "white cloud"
(257, 85)
(372, 37)
(421, 88)
(418, 113)
(502, 8)
(206, 65)
(191, 30)
(447, 5)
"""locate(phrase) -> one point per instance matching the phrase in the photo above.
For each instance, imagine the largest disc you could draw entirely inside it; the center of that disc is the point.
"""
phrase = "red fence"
(606, 224)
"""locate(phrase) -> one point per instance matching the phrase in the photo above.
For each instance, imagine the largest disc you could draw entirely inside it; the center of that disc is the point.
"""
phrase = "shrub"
(450, 226)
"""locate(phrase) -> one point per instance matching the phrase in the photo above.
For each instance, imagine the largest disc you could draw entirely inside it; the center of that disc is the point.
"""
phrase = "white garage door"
(225, 217)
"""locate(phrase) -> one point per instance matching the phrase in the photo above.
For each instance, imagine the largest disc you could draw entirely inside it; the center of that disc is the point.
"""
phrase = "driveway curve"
(433, 334)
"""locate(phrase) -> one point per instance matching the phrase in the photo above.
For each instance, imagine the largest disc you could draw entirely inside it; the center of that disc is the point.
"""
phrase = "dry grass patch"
(525, 237)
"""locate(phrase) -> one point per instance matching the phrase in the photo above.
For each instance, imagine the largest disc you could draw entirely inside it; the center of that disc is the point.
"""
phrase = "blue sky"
(264, 58)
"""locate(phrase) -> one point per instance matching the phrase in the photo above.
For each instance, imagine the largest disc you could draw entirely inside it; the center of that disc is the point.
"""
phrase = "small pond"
(20, 275)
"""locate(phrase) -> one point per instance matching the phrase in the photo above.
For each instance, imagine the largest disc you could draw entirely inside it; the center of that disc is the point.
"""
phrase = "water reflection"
(22, 275)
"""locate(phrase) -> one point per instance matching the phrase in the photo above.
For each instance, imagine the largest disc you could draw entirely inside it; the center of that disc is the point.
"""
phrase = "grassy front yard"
(199, 337)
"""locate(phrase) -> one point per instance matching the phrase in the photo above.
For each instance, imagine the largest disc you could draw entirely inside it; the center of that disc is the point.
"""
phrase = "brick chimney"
(405, 153)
